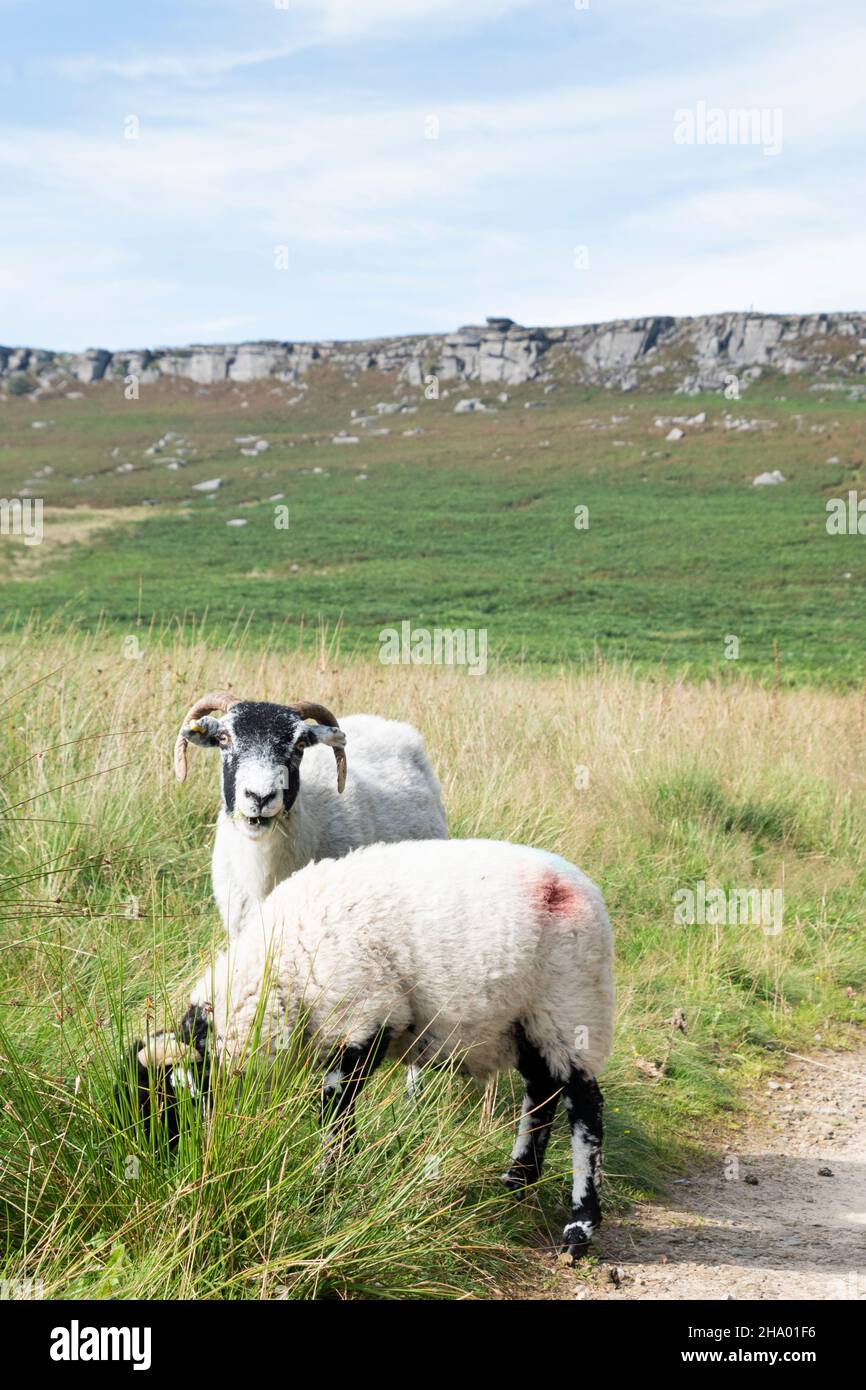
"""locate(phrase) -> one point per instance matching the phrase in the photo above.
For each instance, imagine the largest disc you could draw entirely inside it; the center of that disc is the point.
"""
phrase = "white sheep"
(273, 821)
(495, 953)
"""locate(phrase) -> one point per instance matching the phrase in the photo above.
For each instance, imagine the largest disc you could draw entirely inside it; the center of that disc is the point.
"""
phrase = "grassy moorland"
(107, 917)
(745, 772)
(448, 519)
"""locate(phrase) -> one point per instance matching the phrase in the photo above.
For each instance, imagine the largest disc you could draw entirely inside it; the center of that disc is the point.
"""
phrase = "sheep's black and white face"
(155, 1072)
(261, 746)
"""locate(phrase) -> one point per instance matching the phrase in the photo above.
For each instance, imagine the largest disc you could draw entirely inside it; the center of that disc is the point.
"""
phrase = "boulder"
(91, 365)
(254, 361)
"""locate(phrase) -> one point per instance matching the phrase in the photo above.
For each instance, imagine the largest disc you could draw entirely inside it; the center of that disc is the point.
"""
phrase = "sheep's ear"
(320, 733)
(204, 732)
(334, 738)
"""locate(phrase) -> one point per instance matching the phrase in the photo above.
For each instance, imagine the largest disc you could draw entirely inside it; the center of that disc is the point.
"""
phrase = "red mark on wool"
(556, 896)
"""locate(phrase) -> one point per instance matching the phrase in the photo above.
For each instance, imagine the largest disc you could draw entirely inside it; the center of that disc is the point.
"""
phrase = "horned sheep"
(273, 821)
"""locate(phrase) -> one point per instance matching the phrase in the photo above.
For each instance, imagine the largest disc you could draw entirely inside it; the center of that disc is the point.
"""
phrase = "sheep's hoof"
(574, 1252)
(576, 1238)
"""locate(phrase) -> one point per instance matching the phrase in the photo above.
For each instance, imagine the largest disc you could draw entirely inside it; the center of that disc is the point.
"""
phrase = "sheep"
(490, 953)
(272, 822)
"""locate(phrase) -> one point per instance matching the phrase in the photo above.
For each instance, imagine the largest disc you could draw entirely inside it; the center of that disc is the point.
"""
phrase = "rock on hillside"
(690, 355)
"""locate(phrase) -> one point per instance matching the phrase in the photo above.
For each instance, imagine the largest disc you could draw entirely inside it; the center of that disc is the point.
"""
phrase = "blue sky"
(307, 127)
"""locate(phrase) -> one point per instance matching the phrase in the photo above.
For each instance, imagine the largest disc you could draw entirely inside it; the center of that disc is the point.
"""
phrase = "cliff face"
(689, 354)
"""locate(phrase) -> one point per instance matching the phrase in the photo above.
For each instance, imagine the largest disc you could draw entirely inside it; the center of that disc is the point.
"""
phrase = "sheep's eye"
(223, 740)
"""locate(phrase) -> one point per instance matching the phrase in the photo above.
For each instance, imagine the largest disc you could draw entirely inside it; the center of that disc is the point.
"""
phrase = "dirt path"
(779, 1213)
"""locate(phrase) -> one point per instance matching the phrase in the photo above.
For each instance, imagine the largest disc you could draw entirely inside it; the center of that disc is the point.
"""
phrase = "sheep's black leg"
(152, 1087)
(583, 1105)
(536, 1116)
(347, 1072)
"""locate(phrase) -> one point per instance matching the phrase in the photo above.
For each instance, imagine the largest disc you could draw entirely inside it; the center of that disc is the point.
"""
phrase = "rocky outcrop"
(690, 355)
(810, 344)
(500, 351)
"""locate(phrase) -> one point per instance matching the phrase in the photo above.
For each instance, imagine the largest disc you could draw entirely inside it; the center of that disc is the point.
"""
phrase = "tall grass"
(106, 918)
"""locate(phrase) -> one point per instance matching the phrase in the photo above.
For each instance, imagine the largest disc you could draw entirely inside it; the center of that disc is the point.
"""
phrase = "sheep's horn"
(308, 709)
(205, 704)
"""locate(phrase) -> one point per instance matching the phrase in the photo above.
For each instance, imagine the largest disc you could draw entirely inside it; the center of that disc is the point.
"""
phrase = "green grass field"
(107, 919)
(469, 524)
(650, 783)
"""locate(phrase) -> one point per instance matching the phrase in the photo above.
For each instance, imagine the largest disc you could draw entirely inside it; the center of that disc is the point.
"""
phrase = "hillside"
(686, 354)
(562, 518)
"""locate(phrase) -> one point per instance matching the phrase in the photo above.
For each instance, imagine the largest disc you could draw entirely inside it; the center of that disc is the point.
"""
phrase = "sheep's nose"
(260, 801)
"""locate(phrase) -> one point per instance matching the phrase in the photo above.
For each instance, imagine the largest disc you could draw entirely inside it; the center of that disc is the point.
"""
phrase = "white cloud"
(87, 67)
(738, 212)
(286, 32)
(289, 168)
(484, 219)
(349, 18)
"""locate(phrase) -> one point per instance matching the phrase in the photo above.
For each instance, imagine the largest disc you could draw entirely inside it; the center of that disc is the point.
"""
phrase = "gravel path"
(779, 1212)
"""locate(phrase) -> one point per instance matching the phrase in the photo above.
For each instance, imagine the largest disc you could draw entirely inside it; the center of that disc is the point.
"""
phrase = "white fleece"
(448, 943)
